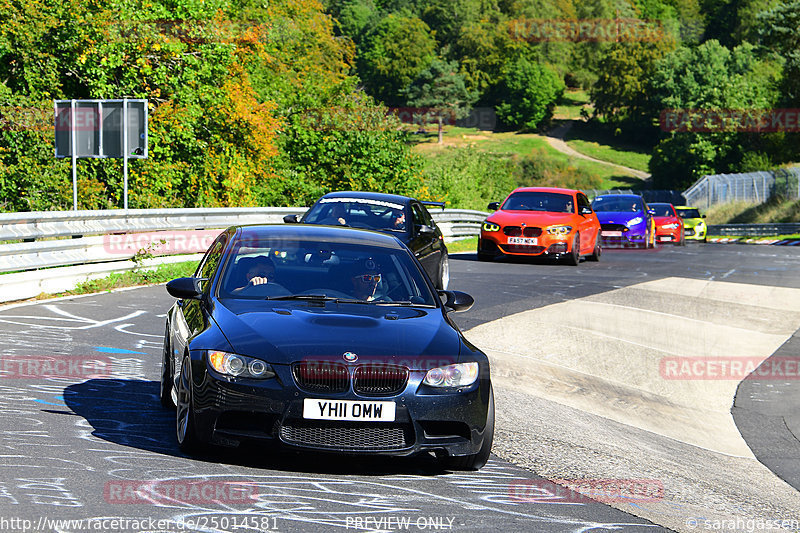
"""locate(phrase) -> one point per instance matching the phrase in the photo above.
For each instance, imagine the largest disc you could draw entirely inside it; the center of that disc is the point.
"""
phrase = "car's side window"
(211, 260)
(583, 201)
(419, 219)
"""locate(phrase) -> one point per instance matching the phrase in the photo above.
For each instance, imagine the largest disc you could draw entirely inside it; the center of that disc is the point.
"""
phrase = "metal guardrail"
(755, 230)
(83, 237)
(53, 251)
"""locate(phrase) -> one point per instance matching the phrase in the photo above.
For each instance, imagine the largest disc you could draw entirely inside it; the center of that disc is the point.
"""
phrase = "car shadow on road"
(510, 259)
(128, 412)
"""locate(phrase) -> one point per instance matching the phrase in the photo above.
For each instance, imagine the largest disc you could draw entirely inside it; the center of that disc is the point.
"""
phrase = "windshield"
(286, 269)
(550, 202)
(689, 213)
(358, 213)
(618, 204)
(662, 210)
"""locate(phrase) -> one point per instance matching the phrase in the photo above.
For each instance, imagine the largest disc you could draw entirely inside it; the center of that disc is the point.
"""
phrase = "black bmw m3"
(324, 339)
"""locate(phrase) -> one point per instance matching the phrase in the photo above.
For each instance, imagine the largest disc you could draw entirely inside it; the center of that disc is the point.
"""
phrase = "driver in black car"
(365, 277)
(260, 271)
(337, 216)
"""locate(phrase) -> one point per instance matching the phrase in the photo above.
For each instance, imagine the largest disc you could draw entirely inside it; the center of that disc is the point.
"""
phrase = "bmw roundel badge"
(350, 357)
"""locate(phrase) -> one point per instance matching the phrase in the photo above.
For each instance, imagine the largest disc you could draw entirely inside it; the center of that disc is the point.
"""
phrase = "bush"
(467, 179)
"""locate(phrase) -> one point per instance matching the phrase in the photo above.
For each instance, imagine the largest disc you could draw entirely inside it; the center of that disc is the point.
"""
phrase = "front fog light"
(459, 375)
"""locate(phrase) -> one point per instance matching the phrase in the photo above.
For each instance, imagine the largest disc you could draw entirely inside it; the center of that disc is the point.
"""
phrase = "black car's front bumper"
(443, 421)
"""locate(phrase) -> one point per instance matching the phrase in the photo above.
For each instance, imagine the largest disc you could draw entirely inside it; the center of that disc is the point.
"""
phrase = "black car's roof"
(383, 197)
(313, 232)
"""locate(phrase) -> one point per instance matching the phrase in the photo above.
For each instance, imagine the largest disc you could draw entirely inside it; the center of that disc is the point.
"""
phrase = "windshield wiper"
(404, 303)
(318, 298)
(303, 297)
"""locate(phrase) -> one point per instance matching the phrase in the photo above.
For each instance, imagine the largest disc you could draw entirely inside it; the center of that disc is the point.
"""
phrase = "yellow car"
(694, 227)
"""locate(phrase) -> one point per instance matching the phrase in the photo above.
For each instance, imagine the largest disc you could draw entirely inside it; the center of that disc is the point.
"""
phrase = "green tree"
(441, 91)
(777, 30)
(708, 77)
(531, 91)
(394, 55)
(621, 91)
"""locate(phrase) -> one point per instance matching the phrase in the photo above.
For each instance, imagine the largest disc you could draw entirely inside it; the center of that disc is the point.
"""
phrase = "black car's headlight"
(231, 364)
(459, 375)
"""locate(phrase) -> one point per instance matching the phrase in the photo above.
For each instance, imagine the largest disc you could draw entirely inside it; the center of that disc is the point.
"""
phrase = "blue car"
(327, 339)
(625, 220)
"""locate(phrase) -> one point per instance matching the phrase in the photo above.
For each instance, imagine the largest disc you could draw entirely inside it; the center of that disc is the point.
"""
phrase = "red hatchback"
(669, 226)
(544, 221)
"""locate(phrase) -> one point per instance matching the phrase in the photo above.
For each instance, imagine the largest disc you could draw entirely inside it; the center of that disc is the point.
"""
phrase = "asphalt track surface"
(76, 448)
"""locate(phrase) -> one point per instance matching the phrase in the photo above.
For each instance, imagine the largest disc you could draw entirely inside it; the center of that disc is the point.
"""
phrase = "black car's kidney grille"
(379, 379)
(348, 435)
(321, 376)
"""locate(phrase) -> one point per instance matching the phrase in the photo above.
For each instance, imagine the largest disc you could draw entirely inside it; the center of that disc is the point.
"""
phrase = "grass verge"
(596, 141)
(775, 210)
(160, 274)
(469, 244)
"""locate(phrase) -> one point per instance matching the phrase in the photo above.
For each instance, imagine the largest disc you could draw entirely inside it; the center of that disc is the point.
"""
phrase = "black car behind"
(404, 217)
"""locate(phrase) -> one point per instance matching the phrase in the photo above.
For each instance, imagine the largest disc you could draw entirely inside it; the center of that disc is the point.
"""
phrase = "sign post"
(101, 129)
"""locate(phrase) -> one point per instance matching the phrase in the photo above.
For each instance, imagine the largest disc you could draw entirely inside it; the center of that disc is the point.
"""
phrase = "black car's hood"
(288, 332)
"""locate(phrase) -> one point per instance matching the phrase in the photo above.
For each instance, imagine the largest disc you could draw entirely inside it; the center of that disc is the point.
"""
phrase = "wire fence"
(752, 187)
(649, 195)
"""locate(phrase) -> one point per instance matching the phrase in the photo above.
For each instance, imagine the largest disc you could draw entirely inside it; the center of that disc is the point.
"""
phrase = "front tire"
(478, 460)
(186, 431)
(483, 256)
(598, 250)
(575, 255)
(165, 392)
(444, 273)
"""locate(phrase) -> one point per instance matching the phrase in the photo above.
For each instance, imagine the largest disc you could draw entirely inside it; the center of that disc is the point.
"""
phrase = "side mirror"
(290, 219)
(424, 229)
(457, 300)
(651, 212)
(704, 216)
(185, 288)
(494, 206)
(585, 210)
